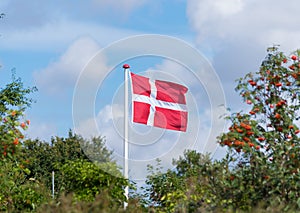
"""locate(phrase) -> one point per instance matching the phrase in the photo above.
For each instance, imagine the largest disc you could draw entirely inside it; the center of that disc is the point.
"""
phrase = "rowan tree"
(263, 142)
(17, 191)
(13, 102)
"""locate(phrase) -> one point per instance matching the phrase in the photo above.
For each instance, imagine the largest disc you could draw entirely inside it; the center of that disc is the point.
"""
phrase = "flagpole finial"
(126, 66)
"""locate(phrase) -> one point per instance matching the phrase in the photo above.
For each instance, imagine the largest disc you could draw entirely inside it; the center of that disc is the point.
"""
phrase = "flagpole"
(53, 184)
(125, 170)
(52, 177)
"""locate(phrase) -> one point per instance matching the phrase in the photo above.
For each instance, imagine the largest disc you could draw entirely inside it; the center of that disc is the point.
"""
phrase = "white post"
(52, 176)
(125, 170)
(53, 184)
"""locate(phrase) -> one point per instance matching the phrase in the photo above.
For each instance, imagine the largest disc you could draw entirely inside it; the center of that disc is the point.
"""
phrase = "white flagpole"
(125, 170)
(52, 177)
(53, 184)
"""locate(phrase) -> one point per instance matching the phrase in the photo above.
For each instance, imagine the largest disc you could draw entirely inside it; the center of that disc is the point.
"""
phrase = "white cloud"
(35, 13)
(228, 7)
(63, 73)
(238, 33)
(59, 33)
(102, 123)
(263, 22)
(204, 11)
(42, 26)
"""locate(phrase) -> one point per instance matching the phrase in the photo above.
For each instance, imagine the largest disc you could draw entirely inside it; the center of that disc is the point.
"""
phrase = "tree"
(13, 102)
(261, 169)
(16, 190)
(189, 187)
(87, 179)
(263, 143)
(75, 172)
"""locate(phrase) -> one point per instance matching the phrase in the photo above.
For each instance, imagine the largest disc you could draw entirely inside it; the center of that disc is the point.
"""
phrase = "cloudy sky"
(52, 44)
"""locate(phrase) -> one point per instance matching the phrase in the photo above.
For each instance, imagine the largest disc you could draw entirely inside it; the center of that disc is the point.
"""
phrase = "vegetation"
(26, 165)
(259, 173)
(261, 169)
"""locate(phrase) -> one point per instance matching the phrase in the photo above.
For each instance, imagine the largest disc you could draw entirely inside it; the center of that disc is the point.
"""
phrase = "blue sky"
(50, 42)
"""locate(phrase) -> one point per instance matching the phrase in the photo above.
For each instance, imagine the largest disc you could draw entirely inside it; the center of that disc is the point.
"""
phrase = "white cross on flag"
(158, 103)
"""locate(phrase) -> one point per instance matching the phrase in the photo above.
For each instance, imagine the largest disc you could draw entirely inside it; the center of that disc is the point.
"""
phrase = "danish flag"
(158, 103)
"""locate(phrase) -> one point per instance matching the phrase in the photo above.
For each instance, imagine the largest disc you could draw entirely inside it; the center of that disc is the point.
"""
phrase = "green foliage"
(261, 169)
(86, 180)
(43, 158)
(263, 143)
(189, 186)
(260, 172)
(17, 192)
(26, 165)
(14, 95)
(75, 173)
(13, 102)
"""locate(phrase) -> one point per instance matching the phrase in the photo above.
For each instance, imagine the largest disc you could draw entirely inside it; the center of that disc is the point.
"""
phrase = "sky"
(74, 51)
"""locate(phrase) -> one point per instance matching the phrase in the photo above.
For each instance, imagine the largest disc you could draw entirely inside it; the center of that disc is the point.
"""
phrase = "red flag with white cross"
(159, 103)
